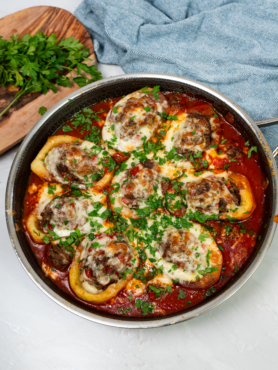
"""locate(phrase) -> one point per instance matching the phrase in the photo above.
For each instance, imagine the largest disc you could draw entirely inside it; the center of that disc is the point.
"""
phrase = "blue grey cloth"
(230, 45)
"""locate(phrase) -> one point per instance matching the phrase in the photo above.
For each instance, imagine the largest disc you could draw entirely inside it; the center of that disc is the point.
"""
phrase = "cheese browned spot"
(211, 195)
(134, 117)
(78, 162)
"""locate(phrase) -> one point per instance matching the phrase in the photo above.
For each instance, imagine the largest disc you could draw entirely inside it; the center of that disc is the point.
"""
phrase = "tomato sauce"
(235, 240)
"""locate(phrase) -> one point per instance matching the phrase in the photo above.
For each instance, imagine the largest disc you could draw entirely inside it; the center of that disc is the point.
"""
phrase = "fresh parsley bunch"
(36, 64)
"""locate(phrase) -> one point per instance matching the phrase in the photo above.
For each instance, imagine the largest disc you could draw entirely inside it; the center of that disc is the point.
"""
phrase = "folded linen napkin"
(230, 45)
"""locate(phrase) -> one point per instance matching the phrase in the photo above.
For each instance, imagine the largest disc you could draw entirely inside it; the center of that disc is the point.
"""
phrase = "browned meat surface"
(131, 126)
(175, 102)
(104, 265)
(62, 212)
(59, 257)
(234, 193)
(194, 134)
(177, 245)
(233, 152)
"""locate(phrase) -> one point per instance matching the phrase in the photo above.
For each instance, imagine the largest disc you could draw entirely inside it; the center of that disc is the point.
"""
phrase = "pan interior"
(99, 92)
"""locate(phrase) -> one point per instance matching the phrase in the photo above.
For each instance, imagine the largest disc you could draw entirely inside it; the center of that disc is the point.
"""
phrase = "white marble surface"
(36, 333)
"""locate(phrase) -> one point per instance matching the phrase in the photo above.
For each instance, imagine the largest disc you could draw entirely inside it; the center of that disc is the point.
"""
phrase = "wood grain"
(18, 121)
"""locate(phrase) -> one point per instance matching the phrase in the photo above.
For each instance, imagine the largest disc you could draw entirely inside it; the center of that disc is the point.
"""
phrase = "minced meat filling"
(133, 116)
(140, 185)
(193, 135)
(104, 260)
(77, 162)
(59, 256)
(64, 213)
(180, 247)
(212, 195)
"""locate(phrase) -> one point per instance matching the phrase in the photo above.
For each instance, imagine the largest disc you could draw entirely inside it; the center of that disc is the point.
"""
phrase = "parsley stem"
(21, 92)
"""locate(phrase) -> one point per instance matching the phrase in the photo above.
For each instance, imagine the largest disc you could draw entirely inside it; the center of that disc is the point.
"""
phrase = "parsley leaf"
(51, 189)
(181, 295)
(67, 128)
(42, 110)
(252, 149)
(202, 237)
(145, 306)
(155, 92)
(38, 64)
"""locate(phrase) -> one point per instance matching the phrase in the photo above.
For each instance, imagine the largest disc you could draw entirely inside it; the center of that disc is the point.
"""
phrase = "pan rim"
(150, 322)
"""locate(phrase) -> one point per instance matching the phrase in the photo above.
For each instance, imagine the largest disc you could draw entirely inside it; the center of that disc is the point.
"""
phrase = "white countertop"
(36, 333)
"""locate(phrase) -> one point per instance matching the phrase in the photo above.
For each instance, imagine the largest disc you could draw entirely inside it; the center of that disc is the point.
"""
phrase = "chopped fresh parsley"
(123, 311)
(182, 294)
(38, 63)
(252, 149)
(51, 189)
(46, 239)
(67, 128)
(202, 237)
(155, 91)
(145, 306)
(42, 110)
(228, 229)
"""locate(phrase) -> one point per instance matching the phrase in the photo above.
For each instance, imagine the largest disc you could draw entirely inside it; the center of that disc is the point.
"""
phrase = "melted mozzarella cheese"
(119, 183)
(241, 211)
(195, 256)
(112, 130)
(83, 221)
(104, 260)
(180, 163)
(80, 218)
(93, 155)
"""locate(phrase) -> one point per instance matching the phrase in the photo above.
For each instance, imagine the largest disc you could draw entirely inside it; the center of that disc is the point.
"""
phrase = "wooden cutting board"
(22, 116)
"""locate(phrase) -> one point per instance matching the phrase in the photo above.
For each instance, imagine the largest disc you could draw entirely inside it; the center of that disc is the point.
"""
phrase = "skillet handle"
(275, 151)
(267, 122)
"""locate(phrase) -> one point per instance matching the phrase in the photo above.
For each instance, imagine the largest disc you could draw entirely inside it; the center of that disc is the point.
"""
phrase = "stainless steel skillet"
(92, 94)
